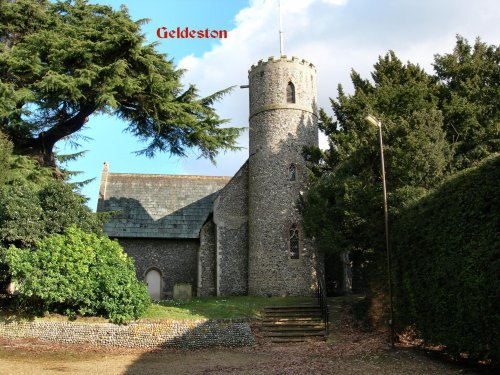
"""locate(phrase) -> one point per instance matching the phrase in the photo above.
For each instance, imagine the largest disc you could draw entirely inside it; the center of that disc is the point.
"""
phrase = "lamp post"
(376, 122)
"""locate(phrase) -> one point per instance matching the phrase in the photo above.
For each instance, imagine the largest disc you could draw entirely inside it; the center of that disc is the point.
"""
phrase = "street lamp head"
(373, 120)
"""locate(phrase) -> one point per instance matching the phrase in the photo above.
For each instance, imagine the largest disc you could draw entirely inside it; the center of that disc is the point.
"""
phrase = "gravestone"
(183, 291)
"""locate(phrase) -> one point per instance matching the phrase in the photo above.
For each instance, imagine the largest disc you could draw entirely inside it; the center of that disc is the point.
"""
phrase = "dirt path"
(347, 351)
(72, 361)
(358, 354)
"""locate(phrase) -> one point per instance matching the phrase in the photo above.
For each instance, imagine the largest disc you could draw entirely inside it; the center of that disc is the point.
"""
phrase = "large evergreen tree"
(343, 210)
(5, 155)
(61, 62)
(469, 88)
(433, 125)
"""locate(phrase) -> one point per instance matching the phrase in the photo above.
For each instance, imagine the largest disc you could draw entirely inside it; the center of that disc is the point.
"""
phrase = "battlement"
(281, 59)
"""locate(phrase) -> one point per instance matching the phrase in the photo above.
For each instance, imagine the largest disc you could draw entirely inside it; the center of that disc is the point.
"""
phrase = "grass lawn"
(197, 308)
(218, 307)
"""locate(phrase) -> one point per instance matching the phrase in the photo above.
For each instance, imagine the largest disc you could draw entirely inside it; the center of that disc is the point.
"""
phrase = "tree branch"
(42, 147)
(50, 137)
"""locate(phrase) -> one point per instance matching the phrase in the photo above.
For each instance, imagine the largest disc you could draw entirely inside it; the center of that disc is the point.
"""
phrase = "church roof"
(155, 205)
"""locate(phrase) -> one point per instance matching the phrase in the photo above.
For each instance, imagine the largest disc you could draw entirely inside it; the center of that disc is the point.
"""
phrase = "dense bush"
(20, 213)
(447, 262)
(29, 212)
(77, 273)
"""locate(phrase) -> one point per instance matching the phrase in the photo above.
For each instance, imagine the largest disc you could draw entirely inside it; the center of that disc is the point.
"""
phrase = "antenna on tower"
(282, 48)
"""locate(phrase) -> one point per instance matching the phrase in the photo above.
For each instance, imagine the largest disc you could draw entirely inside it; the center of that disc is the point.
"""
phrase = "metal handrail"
(323, 303)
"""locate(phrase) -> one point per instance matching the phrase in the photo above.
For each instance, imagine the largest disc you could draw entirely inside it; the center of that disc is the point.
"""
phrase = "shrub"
(29, 212)
(77, 273)
(62, 207)
(447, 257)
(20, 213)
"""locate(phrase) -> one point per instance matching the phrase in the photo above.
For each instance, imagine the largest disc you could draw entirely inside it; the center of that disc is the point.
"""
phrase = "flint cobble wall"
(175, 259)
(174, 334)
(206, 261)
(231, 219)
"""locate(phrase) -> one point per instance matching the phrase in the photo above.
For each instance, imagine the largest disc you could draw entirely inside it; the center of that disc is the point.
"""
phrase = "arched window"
(293, 242)
(153, 280)
(292, 172)
(290, 93)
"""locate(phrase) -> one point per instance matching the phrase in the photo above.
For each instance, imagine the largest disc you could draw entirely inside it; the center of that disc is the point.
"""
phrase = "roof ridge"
(169, 175)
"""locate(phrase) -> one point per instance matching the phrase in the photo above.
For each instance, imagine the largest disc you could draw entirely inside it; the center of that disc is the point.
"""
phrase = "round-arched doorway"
(153, 280)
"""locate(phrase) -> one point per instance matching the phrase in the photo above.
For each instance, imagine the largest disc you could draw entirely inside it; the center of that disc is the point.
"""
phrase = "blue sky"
(335, 35)
(107, 141)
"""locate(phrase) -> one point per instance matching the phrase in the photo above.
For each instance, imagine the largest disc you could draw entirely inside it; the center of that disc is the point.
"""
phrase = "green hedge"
(77, 273)
(446, 253)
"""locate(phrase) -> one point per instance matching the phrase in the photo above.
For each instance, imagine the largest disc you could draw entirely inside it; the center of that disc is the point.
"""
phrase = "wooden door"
(153, 279)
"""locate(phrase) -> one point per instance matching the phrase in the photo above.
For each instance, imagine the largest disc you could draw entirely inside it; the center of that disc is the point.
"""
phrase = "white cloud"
(335, 2)
(350, 34)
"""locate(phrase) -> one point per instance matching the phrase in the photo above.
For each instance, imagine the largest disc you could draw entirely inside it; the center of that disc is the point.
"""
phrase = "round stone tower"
(283, 119)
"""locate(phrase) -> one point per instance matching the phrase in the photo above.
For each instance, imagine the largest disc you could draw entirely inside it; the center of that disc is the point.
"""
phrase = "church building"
(239, 235)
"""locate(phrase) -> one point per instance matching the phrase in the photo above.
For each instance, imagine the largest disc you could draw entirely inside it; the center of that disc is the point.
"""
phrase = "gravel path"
(347, 351)
(353, 354)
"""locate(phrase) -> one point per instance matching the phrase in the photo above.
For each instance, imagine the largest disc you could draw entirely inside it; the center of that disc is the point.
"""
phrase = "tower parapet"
(267, 78)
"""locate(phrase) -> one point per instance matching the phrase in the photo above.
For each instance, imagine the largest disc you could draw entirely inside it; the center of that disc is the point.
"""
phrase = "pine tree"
(469, 80)
(433, 126)
(343, 210)
(62, 62)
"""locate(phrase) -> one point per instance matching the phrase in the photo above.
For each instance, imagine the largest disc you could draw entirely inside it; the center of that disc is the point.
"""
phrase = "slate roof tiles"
(157, 206)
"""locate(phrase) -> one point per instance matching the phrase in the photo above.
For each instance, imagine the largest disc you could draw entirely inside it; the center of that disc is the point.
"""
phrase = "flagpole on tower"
(282, 48)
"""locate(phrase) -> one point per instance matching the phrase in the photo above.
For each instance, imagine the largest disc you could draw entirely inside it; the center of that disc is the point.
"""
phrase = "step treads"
(292, 319)
(287, 339)
(292, 323)
(293, 328)
(278, 311)
(301, 307)
(297, 309)
(293, 334)
(294, 340)
(297, 323)
(293, 313)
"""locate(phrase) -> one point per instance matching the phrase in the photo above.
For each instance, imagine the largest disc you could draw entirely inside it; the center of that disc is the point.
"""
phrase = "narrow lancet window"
(290, 93)
(292, 172)
(293, 242)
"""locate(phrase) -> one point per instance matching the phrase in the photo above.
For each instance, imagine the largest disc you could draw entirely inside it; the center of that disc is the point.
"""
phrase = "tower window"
(293, 242)
(290, 93)
(292, 172)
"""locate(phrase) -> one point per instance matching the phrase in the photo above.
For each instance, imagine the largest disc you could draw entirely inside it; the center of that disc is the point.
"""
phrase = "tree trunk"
(41, 148)
(43, 155)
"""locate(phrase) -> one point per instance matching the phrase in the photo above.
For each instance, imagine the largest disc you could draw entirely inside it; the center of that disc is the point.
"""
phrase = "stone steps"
(292, 324)
(295, 334)
(305, 309)
(295, 318)
(282, 324)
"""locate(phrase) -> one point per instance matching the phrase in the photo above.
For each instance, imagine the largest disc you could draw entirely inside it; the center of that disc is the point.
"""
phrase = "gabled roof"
(155, 205)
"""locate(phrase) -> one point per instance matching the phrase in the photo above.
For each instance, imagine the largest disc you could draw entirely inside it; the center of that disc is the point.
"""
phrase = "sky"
(335, 35)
